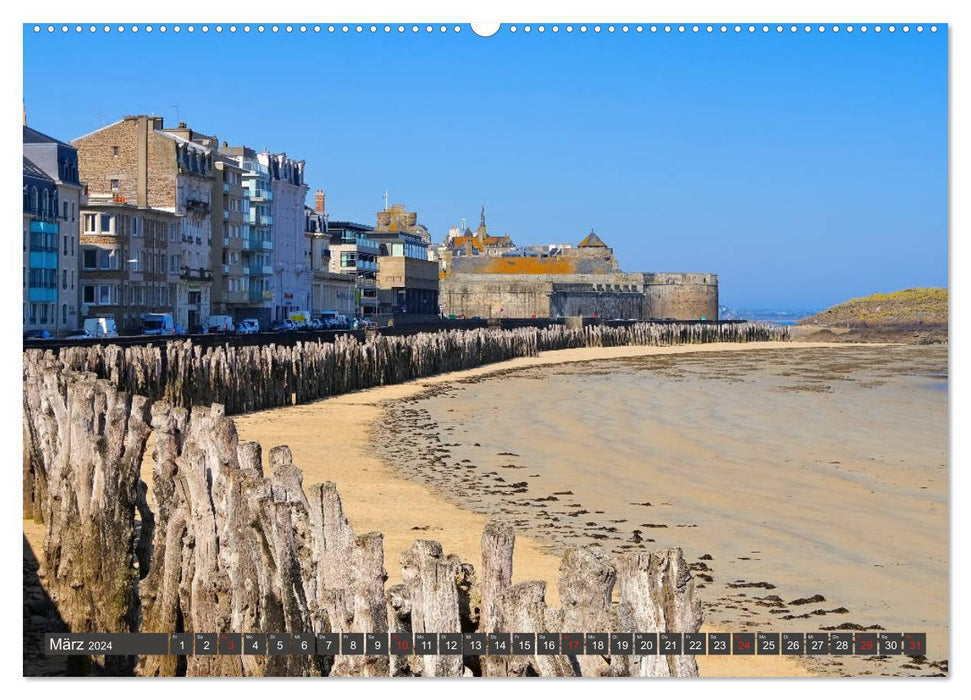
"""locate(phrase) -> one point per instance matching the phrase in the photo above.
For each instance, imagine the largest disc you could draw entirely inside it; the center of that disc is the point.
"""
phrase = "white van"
(248, 325)
(101, 327)
(158, 324)
(300, 318)
(220, 324)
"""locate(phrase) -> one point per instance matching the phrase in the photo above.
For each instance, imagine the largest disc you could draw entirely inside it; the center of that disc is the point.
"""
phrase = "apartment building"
(330, 291)
(230, 233)
(127, 267)
(52, 195)
(352, 252)
(138, 161)
(292, 279)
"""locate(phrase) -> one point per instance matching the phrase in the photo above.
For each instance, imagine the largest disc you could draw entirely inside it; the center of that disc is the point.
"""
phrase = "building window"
(64, 314)
(89, 258)
(114, 152)
(63, 279)
(114, 185)
(87, 294)
(105, 223)
(106, 259)
(90, 223)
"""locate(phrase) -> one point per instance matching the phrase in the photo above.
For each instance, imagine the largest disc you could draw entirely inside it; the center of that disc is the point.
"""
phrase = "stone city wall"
(682, 296)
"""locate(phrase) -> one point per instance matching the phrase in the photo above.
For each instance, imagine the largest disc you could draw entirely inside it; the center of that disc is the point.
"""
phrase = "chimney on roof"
(181, 125)
(319, 199)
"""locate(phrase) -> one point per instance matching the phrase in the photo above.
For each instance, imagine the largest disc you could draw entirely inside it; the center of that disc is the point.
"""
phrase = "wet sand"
(334, 440)
(340, 440)
(807, 486)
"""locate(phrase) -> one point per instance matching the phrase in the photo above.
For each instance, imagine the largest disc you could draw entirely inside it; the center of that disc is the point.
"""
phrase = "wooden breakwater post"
(254, 377)
(227, 545)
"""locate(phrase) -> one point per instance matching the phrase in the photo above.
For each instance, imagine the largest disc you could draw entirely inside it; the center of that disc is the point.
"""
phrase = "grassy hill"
(910, 316)
(908, 307)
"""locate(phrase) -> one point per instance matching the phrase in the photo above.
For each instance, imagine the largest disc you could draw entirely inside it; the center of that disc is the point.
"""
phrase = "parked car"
(315, 324)
(42, 334)
(220, 324)
(333, 320)
(282, 326)
(247, 326)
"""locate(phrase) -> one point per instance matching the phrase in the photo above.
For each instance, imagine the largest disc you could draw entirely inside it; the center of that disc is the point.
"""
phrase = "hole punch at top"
(485, 28)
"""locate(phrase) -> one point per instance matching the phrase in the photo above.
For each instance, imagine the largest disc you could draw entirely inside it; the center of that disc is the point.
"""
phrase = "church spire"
(483, 231)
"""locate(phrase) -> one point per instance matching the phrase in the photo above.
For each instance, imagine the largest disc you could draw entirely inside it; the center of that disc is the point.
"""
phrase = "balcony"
(225, 269)
(265, 245)
(260, 270)
(257, 219)
(260, 295)
(43, 259)
(40, 226)
(197, 206)
(42, 294)
(225, 214)
(258, 195)
(198, 274)
(225, 187)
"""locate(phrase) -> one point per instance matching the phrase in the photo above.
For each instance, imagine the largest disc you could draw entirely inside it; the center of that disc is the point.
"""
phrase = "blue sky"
(802, 168)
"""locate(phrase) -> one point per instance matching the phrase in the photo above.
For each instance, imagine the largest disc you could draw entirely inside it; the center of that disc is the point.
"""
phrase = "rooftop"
(31, 170)
(34, 136)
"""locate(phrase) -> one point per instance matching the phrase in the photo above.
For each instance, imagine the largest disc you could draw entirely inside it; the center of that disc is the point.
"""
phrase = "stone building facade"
(466, 244)
(127, 268)
(407, 280)
(52, 199)
(585, 280)
(137, 160)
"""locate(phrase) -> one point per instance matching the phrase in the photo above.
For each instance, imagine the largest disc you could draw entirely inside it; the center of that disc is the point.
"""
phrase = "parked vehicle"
(333, 320)
(220, 324)
(248, 325)
(315, 324)
(283, 326)
(101, 327)
(80, 334)
(300, 318)
(158, 324)
(42, 334)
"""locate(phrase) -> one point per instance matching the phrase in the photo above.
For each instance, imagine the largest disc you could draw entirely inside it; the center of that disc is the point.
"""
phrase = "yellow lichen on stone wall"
(528, 266)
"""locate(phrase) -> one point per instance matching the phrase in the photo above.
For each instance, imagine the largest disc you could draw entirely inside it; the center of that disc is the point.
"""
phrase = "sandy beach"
(727, 452)
(864, 502)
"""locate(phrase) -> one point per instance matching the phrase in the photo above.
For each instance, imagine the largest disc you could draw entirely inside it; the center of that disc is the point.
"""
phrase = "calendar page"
(546, 348)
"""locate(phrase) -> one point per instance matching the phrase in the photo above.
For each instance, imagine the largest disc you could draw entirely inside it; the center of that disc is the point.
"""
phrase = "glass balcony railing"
(257, 219)
(260, 195)
(43, 226)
